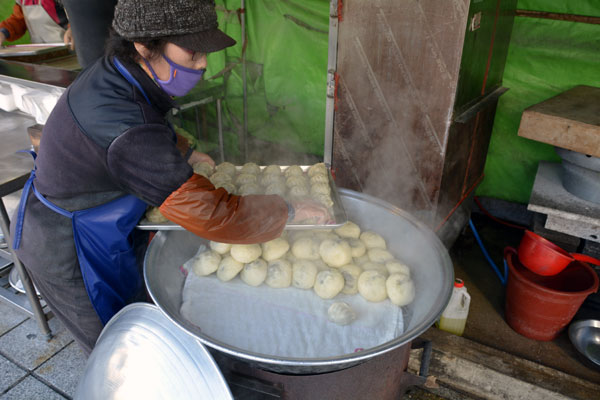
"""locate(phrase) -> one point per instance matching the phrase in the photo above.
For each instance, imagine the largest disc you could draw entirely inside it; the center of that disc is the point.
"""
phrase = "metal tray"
(339, 214)
(19, 50)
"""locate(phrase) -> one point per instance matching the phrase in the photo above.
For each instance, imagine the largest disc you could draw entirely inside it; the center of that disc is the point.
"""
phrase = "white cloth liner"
(288, 322)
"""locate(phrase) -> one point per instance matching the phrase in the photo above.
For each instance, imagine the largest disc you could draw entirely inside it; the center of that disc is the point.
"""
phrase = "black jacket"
(101, 141)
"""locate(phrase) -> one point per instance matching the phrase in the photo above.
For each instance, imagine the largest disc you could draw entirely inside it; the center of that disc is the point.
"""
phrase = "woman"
(107, 152)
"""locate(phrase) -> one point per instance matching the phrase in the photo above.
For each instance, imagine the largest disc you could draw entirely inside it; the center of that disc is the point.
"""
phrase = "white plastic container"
(454, 317)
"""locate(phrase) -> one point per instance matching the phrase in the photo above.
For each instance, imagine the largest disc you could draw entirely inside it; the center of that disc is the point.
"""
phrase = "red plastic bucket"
(539, 307)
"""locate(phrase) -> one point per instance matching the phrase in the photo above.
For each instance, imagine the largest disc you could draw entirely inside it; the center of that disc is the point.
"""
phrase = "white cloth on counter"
(7, 101)
(36, 102)
(287, 322)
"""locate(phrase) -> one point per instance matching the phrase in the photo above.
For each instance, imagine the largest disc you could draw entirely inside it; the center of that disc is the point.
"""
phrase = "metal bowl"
(583, 160)
(141, 355)
(585, 336)
(580, 174)
(15, 281)
(432, 273)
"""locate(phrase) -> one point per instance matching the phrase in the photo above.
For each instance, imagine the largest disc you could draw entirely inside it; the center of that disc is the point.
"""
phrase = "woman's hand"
(68, 38)
(309, 211)
(197, 157)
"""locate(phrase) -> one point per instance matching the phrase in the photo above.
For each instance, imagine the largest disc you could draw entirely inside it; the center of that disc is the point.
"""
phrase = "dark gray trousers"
(90, 22)
(70, 303)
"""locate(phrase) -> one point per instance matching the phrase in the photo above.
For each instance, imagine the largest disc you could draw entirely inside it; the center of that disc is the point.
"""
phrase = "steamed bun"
(245, 253)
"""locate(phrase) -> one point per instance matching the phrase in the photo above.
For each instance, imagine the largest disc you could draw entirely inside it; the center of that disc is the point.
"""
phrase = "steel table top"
(14, 167)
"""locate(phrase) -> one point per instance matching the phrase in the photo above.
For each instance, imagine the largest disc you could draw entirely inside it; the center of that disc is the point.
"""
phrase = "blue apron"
(103, 238)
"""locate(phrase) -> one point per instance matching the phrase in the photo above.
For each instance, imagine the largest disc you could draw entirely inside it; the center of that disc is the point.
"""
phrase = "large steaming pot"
(417, 245)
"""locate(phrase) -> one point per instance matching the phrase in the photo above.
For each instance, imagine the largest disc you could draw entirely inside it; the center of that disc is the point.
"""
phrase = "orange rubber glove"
(217, 215)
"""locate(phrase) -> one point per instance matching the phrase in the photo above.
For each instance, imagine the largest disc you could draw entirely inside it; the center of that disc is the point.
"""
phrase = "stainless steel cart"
(14, 171)
(15, 168)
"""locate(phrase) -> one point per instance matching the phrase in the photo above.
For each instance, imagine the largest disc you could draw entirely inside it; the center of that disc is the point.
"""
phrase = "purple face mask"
(181, 79)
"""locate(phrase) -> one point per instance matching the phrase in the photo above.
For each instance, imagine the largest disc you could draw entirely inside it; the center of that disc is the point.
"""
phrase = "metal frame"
(33, 307)
(194, 104)
(244, 138)
(45, 79)
(331, 71)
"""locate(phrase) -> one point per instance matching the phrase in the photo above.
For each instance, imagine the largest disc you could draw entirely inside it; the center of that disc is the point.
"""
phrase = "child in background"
(45, 20)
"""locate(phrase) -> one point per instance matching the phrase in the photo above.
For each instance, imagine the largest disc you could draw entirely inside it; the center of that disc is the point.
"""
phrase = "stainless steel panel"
(404, 74)
(398, 71)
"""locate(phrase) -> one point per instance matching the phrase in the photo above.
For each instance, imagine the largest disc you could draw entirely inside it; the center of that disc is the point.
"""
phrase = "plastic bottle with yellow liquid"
(454, 317)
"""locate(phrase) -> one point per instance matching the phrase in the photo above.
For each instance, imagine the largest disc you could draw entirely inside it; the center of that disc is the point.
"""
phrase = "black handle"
(425, 356)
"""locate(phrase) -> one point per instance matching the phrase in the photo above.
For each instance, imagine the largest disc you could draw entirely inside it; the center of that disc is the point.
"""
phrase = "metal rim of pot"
(321, 365)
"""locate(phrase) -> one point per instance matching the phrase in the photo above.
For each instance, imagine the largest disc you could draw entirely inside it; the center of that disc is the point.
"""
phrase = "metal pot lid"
(142, 354)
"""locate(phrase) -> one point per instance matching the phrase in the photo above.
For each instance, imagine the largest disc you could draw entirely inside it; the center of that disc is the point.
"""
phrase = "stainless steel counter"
(15, 167)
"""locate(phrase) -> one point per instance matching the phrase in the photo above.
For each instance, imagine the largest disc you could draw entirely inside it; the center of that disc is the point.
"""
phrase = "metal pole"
(220, 122)
(38, 313)
(331, 70)
(197, 116)
(244, 138)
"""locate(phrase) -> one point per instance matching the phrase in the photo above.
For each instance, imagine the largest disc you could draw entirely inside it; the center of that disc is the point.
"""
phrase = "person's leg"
(90, 21)
(70, 303)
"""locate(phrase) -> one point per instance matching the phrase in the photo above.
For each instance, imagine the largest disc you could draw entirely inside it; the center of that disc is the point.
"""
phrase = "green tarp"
(286, 74)
(545, 58)
(286, 70)
(287, 54)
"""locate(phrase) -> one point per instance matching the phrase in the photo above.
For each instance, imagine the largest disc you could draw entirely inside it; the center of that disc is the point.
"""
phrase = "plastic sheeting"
(545, 58)
(286, 72)
(287, 60)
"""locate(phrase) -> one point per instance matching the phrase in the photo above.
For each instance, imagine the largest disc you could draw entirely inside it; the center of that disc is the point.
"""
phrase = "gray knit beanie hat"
(191, 24)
